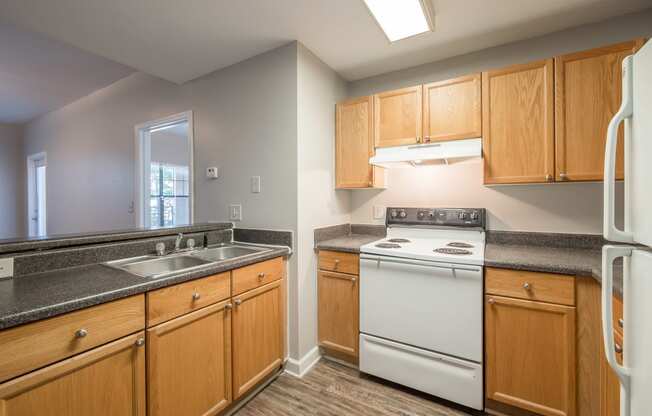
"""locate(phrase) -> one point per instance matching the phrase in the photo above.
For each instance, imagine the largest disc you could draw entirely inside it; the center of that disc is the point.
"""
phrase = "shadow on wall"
(564, 207)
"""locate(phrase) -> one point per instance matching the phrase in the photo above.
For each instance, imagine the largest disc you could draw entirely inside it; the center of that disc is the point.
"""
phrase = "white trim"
(141, 133)
(299, 368)
(31, 159)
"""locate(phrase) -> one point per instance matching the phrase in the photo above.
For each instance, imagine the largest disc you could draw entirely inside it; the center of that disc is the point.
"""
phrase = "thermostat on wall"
(212, 172)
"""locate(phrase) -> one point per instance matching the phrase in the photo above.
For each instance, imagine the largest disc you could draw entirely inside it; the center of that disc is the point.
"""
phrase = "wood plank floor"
(332, 389)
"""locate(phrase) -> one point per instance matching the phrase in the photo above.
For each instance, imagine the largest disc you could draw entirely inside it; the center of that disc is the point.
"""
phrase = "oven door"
(430, 305)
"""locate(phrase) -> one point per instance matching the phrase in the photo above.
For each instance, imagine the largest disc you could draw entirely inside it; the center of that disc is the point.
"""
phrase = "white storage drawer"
(440, 375)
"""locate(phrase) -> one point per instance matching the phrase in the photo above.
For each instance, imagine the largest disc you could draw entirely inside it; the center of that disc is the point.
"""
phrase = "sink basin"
(226, 252)
(149, 266)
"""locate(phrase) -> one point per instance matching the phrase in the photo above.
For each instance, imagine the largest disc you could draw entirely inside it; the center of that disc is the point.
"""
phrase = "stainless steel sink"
(156, 267)
(159, 266)
(227, 252)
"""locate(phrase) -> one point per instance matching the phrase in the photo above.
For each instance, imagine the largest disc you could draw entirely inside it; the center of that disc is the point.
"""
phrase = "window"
(169, 195)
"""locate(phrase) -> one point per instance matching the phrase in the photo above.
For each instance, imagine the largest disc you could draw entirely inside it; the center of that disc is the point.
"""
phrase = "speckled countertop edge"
(134, 285)
(349, 243)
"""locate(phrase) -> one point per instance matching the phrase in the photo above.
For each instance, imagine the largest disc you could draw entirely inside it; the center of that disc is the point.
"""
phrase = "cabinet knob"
(353, 279)
(261, 276)
(81, 333)
(491, 301)
(618, 348)
(549, 177)
(140, 342)
(621, 323)
(228, 306)
(237, 302)
(563, 176)
(418, 139)
(527, 286)
(196, 296)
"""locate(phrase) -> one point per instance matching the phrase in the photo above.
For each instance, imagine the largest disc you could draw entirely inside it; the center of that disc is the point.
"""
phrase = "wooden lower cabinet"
(338, 312)
(530, 355)
(189, 363)
(105, 381)
(258, 345)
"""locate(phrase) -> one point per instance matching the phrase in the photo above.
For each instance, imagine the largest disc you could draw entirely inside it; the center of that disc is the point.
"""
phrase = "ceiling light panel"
(401, 19)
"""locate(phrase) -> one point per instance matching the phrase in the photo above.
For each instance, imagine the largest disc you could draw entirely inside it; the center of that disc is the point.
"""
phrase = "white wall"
(13, 168)
(573, 208)
(319, 204)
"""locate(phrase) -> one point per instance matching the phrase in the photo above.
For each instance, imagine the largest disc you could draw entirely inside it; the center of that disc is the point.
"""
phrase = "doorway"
(165, 172)
(36, 194)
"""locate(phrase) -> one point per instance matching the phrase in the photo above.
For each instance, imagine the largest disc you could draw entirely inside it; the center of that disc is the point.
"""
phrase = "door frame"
(143, 150)
(31, 189)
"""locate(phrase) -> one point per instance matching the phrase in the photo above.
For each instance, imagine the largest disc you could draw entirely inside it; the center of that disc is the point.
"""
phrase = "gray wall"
(13, 168)
(245, 123)
(319, 88)
(575, 208)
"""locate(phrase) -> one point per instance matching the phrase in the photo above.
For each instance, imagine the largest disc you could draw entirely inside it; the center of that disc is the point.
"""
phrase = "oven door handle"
(378, 259)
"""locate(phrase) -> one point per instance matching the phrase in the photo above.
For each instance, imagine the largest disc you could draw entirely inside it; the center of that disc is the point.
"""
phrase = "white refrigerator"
(635, 373)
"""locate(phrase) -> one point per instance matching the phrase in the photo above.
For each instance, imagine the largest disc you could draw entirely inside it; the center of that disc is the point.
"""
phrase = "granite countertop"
(349, 243)
(38, 296)
(563, 260)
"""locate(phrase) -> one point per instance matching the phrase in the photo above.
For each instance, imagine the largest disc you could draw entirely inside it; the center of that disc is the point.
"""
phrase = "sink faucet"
(177, 242)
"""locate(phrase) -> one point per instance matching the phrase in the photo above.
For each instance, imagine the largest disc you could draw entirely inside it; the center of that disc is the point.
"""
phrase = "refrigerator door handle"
(609, 254)
(625, 111)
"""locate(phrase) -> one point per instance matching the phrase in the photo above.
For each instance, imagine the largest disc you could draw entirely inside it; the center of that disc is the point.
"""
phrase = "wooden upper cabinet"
(189, 363)
(257, 335)
(518, 123)
(452, 109)
(105, 381)
(397, 117)
(338, 312)
(354, 145)
(588, 90)
(530, 355)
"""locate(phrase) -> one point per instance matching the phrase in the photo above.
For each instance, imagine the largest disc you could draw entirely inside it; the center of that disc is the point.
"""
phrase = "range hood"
(428, 154)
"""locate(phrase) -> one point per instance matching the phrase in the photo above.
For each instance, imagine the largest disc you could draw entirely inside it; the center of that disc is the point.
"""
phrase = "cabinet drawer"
(542, 287)
(336, 261)
(31, 346)
(259, 274)
(170, 302)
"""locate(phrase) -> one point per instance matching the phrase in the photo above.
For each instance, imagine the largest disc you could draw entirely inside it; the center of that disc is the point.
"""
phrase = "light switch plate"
(379, 212)
(6, 267)
(255, 184)
(235, 212)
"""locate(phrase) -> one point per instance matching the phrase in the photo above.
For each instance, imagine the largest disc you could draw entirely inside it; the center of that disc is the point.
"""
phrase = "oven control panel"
(447, 217)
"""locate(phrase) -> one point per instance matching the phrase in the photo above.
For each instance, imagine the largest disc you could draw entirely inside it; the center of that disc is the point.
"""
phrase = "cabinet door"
(452, 109)
(257, 336)
(530, 348)
(354, 144)
(189, 363)
(397, 117)
(105, 381)
(518, 123)
(610, 383)
(588, 89)
(338, 312)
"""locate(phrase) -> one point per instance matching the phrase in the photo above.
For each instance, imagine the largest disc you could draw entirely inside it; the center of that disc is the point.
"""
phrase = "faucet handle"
(160, 249)
(190, 243)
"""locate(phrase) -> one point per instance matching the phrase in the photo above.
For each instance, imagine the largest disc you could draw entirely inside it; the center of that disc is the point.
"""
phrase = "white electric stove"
(421, 303)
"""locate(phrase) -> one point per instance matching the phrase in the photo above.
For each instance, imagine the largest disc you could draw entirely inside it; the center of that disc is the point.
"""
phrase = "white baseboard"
(299, 368)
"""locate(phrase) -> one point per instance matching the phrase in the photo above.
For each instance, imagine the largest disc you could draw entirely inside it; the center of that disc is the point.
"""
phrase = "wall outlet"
(6, 267)
(255, 184)
(213, 172)
(379, 212)
(235, 212)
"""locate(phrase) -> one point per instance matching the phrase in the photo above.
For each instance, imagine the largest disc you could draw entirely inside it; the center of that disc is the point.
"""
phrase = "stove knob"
(431, 215)
(393, 214)
(475, 216)
(421, 215)
(461, 215)
(403, 214)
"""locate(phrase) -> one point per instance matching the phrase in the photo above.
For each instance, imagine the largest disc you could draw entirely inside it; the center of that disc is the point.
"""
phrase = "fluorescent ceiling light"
(400, 19)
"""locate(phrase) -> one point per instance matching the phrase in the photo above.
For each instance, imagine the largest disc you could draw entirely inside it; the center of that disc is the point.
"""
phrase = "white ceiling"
(38, 74)
(181, 40)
